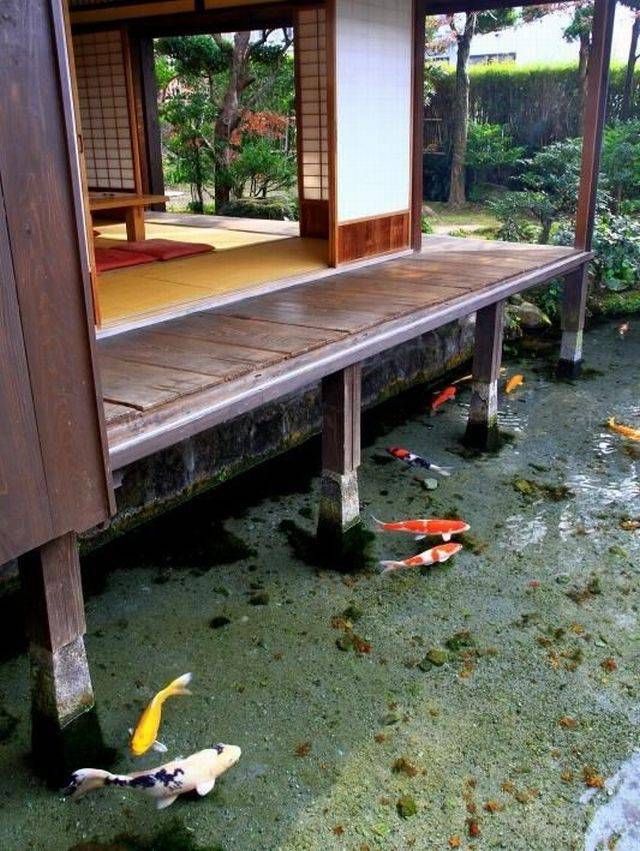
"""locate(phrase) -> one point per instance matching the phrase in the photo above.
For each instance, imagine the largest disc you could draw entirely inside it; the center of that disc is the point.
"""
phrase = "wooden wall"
(54, 474)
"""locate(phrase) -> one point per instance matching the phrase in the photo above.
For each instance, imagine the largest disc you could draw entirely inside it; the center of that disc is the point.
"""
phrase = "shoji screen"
(313, 167)
(104, 110)
(373, 107)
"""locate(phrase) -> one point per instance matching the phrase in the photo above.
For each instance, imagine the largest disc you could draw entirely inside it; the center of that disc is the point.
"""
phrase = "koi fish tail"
(379, 524)
(388, 566)
(178, 686)
(87, 779)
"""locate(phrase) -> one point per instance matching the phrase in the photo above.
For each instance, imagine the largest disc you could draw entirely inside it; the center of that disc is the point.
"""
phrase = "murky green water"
(521, 715)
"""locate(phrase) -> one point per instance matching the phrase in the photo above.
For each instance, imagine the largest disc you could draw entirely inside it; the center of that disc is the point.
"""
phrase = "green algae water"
(491, 702)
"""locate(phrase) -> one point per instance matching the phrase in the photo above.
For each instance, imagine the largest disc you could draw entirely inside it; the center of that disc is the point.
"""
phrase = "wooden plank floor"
(173, 379)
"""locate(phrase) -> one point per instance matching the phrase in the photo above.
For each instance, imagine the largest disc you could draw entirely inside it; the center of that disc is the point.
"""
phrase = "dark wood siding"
(48, 391)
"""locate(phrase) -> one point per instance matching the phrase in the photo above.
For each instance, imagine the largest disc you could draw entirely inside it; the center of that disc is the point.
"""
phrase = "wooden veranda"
(165, 383)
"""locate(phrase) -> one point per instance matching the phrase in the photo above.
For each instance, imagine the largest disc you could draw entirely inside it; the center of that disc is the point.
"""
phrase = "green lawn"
(474, 218)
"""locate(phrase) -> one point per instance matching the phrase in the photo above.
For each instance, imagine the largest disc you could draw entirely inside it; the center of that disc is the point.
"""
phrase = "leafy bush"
(621, 159)
(490, 149)
(260, 208)
(616, 241)
(514, 210)
(261, 167)
(426, 225)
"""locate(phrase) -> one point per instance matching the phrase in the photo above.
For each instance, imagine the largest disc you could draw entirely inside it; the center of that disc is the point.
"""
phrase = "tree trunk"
(460, 121)
(583, 75)
(230, 114)
(627, 93)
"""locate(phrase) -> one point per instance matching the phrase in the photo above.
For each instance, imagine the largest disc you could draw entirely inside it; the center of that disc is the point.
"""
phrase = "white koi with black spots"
(197, 772)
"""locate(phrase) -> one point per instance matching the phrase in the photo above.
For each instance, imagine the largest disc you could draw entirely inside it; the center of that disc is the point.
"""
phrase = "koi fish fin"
(163, 803)
(86, 779)
(388, 566)
(446, 536)
(379, 524)
(441, 471)
(205, 788)
(178, 686)
(419, 537)
(158, 747)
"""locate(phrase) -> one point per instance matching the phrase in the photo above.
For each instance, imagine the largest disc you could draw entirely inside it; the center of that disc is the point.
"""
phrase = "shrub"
(260, 208)
(621, 159)
(490, 150)
(616, 242)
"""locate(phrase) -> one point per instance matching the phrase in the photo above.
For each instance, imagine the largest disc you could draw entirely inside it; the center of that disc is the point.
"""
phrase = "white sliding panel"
(373, 107)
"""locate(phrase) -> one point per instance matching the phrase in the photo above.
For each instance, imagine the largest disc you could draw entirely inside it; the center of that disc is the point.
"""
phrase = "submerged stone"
(436, 657)
(219, 621)
(406, 807)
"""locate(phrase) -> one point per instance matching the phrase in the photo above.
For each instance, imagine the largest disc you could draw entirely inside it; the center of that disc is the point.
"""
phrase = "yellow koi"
(624, 430)
(146, 731)
(513, 383)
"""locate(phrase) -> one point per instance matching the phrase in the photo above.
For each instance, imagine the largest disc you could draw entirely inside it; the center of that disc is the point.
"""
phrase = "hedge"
(538, 103)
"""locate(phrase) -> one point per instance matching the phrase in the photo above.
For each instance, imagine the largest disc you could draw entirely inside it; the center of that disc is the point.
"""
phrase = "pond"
(480, 703)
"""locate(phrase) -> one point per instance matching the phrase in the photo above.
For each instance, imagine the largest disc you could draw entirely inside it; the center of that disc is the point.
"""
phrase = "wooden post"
(61, 690)
(339, 498)
(595, 108)
(482, 427)
(417, 188)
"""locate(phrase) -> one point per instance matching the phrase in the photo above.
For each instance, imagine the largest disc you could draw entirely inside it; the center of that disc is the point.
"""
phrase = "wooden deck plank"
(115, 413)
(304, 315)
(174, 352)
(145, 387)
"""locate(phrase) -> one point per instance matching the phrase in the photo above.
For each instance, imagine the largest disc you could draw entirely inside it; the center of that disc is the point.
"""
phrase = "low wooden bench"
(131, 205)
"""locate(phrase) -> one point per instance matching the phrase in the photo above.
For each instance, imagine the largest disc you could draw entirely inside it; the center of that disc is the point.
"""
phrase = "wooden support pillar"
(482, 427)
(339, 498)
(61, 690)
(574, 300)
(595, 109)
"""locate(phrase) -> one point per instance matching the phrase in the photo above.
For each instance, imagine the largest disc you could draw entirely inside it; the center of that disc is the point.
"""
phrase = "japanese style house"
(103, 368)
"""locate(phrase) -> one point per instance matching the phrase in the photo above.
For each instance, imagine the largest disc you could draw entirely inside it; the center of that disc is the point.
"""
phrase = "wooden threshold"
(169, 383)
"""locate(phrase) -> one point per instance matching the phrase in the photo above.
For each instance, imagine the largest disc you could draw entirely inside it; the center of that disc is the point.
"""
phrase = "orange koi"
(513, 383)
(422, 528)
(624, 430)
(436, 555)
(444, 396)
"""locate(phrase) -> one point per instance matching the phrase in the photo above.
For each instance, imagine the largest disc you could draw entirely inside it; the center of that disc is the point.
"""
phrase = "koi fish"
(422, 528)
(624, 430)
(146, 731)
(513, 383)
(622, 329)
(197, 772)
(436, 555)
(414, 460)
(444, 396)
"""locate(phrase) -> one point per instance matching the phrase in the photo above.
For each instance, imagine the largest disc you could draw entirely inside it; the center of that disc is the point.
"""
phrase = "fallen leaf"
(455, 841)
(609, 664)
(493, 806)
(591, 777)
(303, 749)
(568, 722)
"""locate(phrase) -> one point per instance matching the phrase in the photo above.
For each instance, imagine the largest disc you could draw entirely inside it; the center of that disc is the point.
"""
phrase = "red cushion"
(115, 258)
(166, 249)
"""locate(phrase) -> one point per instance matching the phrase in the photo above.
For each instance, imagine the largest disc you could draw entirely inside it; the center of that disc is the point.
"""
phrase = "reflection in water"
(523, 532)
(617, 822)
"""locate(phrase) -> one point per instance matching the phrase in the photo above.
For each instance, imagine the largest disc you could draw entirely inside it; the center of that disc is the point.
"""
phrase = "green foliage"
(490, 151)
(259, 208)
(535, 104)
(425, 225)
(514, 211)
(189, 157)
(616, 241)
(261, 167)
(494, 20)
(621, 159)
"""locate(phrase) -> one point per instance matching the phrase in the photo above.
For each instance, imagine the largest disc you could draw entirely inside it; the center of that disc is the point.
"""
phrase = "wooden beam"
(341, 404)
(417, 189)
(482, 427)
(595, 109)
(151, 120)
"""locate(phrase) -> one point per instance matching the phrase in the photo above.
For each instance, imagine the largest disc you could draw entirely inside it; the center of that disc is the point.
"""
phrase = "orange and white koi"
(436, 555)
(622, 329)
(444, 396)
(624, 430)
(145, 734)
(513, 383)
(414, 460)
(422, 528)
